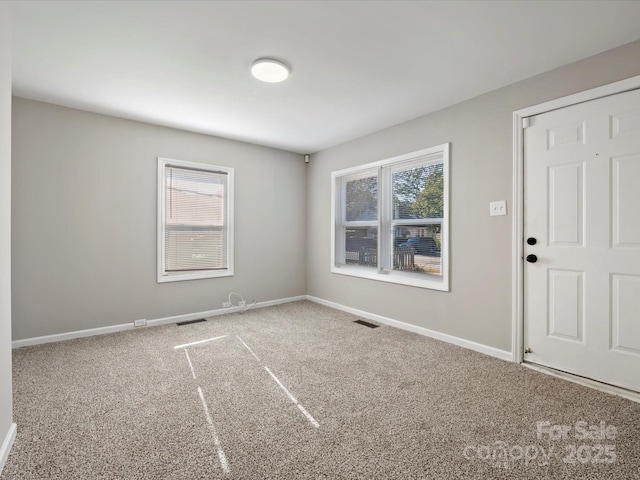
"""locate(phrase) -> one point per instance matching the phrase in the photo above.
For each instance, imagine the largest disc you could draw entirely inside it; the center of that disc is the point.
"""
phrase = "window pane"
(195, 197)
(361, 246)
(417, 248)
(362, 199)
(418, 192)
(192, 250)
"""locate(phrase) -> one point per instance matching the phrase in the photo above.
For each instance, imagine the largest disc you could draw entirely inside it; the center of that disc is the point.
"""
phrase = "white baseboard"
(7, 444)
(461, 342)
(219, 311)
(58, 337)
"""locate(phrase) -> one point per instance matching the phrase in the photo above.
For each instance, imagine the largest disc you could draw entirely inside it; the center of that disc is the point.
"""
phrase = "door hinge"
(528, 350)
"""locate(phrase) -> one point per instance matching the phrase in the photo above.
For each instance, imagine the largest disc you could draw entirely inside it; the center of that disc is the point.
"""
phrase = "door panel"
(625, 327)
(625, 123)
(566, 190)
(582, 204)
(564, 136)
(566, 312)
(626, 200)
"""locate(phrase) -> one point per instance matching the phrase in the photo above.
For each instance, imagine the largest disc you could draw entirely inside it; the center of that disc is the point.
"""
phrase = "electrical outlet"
(140, 323)
(226, 305)
(498, 208)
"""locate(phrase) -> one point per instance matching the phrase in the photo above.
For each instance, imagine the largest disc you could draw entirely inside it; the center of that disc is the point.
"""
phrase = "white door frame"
(517, 241)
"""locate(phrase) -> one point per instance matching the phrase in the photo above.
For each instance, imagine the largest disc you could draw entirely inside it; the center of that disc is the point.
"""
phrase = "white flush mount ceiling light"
(270, 70)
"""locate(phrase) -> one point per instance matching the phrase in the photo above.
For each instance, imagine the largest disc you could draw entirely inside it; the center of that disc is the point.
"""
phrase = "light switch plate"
(498, 208)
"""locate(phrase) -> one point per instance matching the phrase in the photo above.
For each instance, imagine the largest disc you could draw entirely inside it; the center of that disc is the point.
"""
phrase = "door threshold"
(586, 382)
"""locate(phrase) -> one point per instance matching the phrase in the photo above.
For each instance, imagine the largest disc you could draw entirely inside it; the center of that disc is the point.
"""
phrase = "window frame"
(165, 276)
(384, 170)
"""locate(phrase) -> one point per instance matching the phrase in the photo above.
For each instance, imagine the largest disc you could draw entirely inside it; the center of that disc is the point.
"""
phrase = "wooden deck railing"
(403, 258)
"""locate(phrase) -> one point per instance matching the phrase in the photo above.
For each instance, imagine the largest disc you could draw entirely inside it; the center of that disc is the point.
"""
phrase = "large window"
(195, 226)
(390, 219)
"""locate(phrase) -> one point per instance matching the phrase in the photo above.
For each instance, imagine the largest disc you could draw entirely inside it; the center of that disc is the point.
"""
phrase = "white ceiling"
(358, 66)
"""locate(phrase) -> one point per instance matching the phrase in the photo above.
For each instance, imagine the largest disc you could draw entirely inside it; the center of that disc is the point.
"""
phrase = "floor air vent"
(366, 324)
(189, 322)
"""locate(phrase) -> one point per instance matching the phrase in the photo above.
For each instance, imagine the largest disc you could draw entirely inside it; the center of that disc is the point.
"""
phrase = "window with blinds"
(195, 226)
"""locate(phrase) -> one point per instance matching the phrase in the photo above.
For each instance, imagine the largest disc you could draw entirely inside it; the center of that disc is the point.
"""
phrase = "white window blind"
(195, 221)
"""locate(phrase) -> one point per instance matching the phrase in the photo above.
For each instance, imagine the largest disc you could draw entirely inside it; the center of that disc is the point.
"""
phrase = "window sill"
(431, 282)
(178, 277)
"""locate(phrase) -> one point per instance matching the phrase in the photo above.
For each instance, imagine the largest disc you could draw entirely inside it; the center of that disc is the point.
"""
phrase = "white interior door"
(582, 207)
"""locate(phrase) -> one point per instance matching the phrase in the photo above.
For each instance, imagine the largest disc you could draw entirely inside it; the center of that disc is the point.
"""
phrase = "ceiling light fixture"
(270, 70)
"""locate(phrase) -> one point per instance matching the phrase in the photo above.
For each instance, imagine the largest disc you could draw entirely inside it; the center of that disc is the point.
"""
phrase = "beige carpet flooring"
(299, 391)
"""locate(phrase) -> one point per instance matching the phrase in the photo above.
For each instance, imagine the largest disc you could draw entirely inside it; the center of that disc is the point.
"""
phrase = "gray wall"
(84, 221)
(5, 220)
(478, 307)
